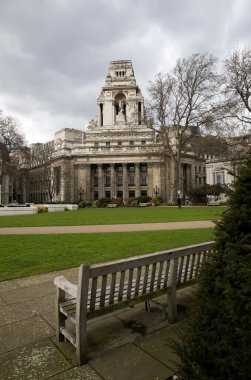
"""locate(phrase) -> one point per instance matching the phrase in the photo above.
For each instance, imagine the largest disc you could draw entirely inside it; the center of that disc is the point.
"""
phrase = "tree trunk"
(175, 174)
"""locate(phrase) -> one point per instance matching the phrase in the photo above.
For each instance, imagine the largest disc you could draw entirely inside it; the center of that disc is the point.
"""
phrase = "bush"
(158, 200)
(144, 199)
(41, 209)
(134, 203)
(84, 204)
(118, 201)
(200, 194)
(102, 202)
(217, 344)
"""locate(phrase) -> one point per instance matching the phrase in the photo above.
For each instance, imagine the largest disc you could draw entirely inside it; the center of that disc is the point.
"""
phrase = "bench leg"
(60, 321)
(81, 314)
(171, 293)
(147, 305)
(81, 345)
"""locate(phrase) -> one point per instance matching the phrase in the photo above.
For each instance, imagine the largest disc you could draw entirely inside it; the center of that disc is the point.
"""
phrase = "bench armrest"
(62, 283)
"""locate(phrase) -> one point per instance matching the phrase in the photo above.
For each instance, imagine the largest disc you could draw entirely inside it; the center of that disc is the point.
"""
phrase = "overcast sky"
(54, 54)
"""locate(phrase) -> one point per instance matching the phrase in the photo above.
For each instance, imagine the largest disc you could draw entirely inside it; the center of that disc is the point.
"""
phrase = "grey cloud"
(54, 54)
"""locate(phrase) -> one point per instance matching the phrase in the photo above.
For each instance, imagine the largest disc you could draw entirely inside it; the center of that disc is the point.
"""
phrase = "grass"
(125, 215)
(25, 255)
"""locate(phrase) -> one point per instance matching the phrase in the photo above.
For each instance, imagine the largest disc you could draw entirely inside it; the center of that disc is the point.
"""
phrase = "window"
(131, 169)
(131, 142)
(143, 142)
(143, 193)
(120, 194)
(95, 182)
(119, 169)
(131, 194)
(131, 180)
(108, 195)
(119, 143)
(107, 169)
(107, 181)
(143, 180)
(119, 180)
(143, 168)
(219, 178)
(107, 143)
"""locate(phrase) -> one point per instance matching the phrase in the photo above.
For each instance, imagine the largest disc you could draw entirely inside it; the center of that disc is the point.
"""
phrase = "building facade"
(116, 157)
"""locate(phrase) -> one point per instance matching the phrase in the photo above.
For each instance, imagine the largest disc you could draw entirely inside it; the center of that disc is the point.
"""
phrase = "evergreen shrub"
(217, 342)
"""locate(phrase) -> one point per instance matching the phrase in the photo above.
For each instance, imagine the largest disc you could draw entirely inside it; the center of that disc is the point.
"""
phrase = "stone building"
(116, 157)
(223, 169)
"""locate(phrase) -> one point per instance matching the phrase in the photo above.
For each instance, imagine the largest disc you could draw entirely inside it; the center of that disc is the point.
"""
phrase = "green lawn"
(113, 216)
(25, 255)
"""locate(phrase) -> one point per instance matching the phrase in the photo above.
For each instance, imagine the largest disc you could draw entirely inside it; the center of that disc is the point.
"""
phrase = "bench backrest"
(123, 280)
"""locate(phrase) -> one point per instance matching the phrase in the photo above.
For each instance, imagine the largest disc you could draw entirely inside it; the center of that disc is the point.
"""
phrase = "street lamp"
(156, 191)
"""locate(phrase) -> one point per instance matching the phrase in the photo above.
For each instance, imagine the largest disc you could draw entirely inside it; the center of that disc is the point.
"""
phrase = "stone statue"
(92, 124)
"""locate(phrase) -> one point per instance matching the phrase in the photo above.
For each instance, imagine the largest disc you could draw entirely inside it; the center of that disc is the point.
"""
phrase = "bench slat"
(121, 285)
(112, 289)
(129, 284)
(93, 293)
(153, 277)
(192, 267)
(103, 290)
(160, 275)
(138, 278)
(180, 269)
(166, 273)
(68, 335)
(145, 279)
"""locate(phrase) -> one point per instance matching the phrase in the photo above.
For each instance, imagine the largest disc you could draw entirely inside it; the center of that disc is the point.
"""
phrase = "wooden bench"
(112, 205)
(105, 287)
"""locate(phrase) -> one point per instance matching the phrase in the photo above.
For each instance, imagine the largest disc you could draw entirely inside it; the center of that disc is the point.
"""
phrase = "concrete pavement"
(128, 344)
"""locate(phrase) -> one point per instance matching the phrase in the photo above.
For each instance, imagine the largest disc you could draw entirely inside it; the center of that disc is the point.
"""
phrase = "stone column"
(113, 181)
(150, 180)
(188, 178)
(99, 115)
(125, 184)
(63, 183)
(192, 173)
(137, 181)
(100, 181)
(71, 196)
(87, 183)
(80, 177)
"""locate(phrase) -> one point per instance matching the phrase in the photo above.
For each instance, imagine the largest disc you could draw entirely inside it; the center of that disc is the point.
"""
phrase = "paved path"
(106, 228)
(127, 344)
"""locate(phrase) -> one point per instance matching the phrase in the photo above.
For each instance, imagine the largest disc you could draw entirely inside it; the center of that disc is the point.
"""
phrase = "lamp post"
(156, 191)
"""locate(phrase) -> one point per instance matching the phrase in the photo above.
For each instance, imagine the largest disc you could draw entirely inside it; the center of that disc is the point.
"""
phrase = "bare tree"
(11, 142)
(182, 102)
(10, 137)
(51, 177)
(237, 89)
